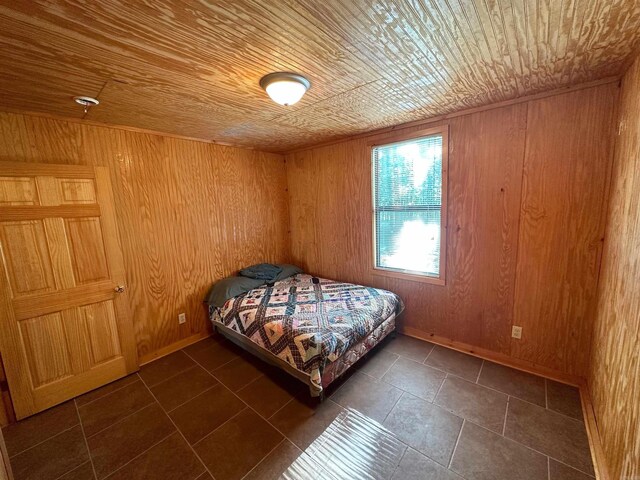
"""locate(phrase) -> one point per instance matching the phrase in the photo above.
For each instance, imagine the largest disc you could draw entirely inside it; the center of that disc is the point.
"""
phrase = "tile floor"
(411, 410)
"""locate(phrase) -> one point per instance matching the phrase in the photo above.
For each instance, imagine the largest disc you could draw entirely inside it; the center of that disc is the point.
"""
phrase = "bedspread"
(307, 321)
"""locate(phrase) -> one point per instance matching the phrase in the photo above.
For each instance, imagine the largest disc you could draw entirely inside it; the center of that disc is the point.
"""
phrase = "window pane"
(407, 204)
(409, 241)
(409, 173)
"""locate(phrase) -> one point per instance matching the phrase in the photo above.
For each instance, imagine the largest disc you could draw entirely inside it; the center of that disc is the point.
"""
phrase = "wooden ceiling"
(192, 68)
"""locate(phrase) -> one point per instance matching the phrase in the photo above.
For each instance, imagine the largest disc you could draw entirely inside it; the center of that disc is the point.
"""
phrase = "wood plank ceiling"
(192, 68)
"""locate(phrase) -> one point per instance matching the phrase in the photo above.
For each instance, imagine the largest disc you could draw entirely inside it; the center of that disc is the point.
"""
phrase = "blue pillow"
(230, 287)
(287, 271)
(262, 271)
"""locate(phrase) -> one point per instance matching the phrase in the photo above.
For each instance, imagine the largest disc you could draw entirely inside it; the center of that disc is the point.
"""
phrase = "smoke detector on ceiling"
(86, 102)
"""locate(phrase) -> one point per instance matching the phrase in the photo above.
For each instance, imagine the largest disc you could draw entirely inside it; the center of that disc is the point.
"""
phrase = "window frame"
(442, 130)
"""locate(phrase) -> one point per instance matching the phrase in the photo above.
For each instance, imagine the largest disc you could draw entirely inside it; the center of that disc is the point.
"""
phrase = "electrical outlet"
(182, 318)
(516, 332)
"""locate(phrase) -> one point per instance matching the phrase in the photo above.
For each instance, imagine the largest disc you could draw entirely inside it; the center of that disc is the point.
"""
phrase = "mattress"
(308, 322)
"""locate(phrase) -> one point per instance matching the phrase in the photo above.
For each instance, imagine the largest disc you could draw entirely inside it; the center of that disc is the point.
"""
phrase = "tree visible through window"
(408, 192)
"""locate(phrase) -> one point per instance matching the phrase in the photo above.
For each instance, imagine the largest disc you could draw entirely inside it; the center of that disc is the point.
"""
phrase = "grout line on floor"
(548, 468)
(394, 406)
(249, 406)
(172, 376)
(187, 401)
(400, 461)
(43, 441)
(479, 372)
(390, 367)
(120, 420)
(455, 446)
(206, 469)
(84, 437)
(219, 426)
(286, 403)
(251, 382)
(106, 394)
(439, 388)
(76, 468)
(433, 347)
(546, 394)
(569, 466)
(285, 439)
(506, 412)
(137, 456)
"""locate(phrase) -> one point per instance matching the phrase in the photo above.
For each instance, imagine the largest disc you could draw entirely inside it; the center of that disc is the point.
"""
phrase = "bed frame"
(333, 371)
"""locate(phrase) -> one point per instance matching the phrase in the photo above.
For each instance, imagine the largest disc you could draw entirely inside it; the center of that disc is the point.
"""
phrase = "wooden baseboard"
(174, 347)
(495, 357)
(597, 452)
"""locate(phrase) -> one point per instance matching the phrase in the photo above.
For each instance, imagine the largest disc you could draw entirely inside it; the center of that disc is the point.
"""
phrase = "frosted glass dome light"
(285, 88)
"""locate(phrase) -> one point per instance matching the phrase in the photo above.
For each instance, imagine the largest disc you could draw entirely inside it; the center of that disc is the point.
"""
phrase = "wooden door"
(65, 326)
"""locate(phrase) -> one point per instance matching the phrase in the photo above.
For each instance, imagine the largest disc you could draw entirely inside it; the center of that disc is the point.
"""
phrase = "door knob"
(119, 289)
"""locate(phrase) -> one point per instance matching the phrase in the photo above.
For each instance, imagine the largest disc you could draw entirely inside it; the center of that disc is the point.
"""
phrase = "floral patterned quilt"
(307, 321)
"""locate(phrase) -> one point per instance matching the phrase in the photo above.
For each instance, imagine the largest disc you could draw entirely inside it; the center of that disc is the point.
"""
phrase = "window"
(409, 206)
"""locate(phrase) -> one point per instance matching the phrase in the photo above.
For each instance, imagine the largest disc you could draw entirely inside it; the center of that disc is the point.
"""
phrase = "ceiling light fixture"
(285, 88)
(86, 102)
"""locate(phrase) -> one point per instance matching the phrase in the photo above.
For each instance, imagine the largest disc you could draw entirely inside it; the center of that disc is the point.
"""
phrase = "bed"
(313, 328)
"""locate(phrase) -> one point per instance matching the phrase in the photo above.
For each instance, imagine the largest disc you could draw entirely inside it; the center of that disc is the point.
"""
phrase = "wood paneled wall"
(188, 213)
(614, 375)
(527, 190)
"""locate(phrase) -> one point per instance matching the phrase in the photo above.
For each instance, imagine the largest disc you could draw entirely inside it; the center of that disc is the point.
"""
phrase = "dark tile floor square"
(484, 455)
(416, 378)
(239, 372)
(408, 347)
(120, 443)
(106, 411)
(83, 472)
(33, 430)
(269, 393)
(514, 382)
(206, 412)
(372, 397)
(232, 450)
(302, 420)
(213, 352)
(425, 427)
(476, 403)
(564, 399)
(409, 410)
(51, 458)
(180, 389)
(377, 363)
(454, 362)
(172, 458)
(165, 367)
(549, 432)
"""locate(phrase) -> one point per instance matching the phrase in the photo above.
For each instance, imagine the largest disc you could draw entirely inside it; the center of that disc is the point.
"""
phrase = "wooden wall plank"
(614, 374)
(329, 191)
(566, 173)
(188, 213)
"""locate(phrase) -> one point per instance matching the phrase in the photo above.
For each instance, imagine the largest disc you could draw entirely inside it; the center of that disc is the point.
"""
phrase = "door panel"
(76, 191)
(65, 328)
(26, 257)
(87, 249)
(18, 191)
(102, 331)
(44, 343)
